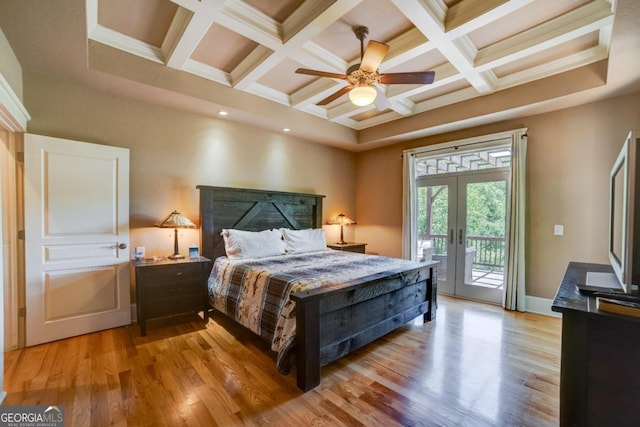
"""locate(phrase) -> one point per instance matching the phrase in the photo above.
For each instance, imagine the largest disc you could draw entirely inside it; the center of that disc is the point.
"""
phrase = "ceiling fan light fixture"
(363, 95)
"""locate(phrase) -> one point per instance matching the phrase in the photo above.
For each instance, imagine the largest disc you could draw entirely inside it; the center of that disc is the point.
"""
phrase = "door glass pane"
(485, 234)
(433, 214)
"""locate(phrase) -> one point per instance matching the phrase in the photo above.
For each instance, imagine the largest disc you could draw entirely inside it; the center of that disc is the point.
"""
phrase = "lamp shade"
(363, 95)
(176, 220)
(342, 219)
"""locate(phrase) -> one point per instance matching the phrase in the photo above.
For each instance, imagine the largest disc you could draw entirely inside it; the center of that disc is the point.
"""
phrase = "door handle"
(122, 246)
(460, 234)
(451, 232)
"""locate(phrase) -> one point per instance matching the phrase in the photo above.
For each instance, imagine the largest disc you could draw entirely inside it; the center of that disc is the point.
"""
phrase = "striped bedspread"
(255, 292)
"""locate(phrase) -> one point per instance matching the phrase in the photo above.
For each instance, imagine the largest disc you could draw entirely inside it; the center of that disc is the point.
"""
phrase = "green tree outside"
(486, 213)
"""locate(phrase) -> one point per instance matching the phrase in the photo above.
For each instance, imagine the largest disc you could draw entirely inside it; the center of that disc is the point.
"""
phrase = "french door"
(462, 225)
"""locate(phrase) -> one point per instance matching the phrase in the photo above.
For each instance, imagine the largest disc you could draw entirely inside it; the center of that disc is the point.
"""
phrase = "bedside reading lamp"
(176, 220)
(342, 220)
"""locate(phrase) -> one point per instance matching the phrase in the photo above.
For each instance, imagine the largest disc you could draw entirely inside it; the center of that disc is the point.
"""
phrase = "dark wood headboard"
(252, 210)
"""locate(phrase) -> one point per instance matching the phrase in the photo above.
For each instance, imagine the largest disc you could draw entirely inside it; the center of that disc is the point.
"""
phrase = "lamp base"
(176, 256)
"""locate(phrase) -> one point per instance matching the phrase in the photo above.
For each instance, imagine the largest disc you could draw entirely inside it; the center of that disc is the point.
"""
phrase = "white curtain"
(514, 295)
(409, 222)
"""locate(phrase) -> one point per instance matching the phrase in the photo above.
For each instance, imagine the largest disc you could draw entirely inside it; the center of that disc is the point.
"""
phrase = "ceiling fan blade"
(381, 102)
(321, 73)
(373, 56)
(335, 96)
(424, 78)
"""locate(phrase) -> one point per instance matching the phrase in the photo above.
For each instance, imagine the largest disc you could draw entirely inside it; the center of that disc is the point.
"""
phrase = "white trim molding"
(13, 115)
(540, 306)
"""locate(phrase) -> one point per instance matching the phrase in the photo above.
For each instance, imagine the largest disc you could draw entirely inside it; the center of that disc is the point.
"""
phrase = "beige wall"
(10, 68)
(172, 152)
(570, 153)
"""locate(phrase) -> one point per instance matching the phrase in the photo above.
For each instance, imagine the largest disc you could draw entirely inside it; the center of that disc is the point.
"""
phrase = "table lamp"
(176, 220)
(342, 220)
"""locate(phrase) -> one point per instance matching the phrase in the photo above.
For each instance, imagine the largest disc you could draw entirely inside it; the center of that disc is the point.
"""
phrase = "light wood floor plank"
(476, 364)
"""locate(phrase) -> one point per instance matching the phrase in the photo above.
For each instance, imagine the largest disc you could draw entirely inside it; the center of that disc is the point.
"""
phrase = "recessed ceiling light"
(286, 130)
(222, 113)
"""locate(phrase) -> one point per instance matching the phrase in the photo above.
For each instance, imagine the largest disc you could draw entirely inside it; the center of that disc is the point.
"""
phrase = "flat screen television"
(624, 224)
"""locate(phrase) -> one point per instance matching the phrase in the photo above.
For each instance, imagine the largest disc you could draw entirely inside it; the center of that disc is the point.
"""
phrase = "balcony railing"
(489, 251)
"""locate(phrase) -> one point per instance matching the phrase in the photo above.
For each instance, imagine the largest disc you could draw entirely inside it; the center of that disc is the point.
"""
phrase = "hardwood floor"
(475, 365)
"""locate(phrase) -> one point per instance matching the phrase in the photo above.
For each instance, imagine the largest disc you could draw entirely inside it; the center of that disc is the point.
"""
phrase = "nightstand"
(349, 247)
(168, 287)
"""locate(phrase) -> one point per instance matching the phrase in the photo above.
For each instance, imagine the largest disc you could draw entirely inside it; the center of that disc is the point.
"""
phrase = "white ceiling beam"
(460, 52)
(313, 17)
(446, 99)
(188, 27)
(347, 109)
(253, 65)
(445, 74)
(486, 18)
(402, 106)
(314, 56)
(191, 5)
(294, 41)
(345, 121)
(315, 92)
(183, 36)
(243, 19)
(269, 93)
(207, 71)
(584, 20)
(376, 120)
(92, 15)
(405, 47)
(578, 59)
(126, 43)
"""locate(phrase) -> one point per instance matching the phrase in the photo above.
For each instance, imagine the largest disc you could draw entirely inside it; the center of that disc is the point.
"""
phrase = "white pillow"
(240, 244)
(310, 239)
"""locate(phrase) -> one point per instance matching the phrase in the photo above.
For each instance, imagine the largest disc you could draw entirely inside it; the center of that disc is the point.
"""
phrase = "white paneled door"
(76, 197)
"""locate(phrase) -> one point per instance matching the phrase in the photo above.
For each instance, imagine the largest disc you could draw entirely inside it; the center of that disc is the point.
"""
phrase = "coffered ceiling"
(492, 59)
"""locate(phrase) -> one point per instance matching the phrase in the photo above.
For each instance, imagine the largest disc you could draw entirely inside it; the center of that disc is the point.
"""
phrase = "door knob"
(122, 246)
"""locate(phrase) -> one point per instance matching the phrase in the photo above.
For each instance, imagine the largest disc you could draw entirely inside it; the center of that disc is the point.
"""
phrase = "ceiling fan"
(363, 76)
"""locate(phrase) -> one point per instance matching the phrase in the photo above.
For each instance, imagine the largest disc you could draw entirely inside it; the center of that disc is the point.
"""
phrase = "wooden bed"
(330, 322)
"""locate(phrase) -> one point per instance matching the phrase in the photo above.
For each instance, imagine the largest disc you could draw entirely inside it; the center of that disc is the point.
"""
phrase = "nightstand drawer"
(170, 274)
(179, 303)
(158, 290)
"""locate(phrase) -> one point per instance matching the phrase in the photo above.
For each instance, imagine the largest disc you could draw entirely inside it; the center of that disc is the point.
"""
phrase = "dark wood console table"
(600, 364)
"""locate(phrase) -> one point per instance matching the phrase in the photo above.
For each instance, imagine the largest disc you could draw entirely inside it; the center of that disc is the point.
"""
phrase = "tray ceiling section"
(476, 47)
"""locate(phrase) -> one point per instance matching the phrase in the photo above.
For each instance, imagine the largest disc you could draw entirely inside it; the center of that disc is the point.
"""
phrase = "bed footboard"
(331, 323)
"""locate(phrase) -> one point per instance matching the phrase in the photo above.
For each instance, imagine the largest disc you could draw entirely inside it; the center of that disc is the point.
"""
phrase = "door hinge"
(20, 156)
(20, 234)
(22, 312)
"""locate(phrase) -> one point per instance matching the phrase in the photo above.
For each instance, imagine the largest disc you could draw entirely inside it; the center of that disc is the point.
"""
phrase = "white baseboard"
(540, 306)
